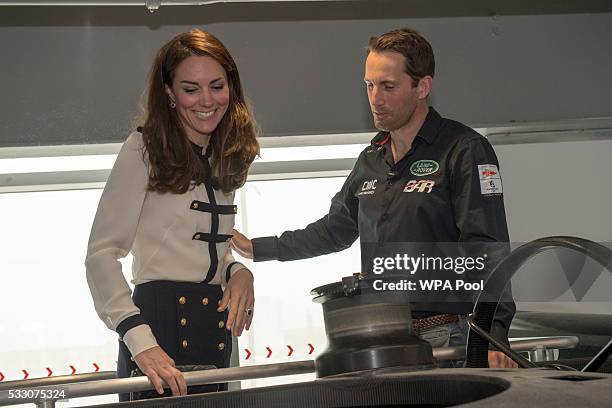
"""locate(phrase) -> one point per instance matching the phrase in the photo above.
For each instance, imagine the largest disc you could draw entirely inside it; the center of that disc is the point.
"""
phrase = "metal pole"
(151, 4)
(102, 387)
(528, 345)
(56, 380)
(106, 2)
(597, 361)
(113, 386)
(518, 359)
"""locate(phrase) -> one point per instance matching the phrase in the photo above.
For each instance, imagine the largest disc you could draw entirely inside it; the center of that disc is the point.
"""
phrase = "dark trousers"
(448, 335)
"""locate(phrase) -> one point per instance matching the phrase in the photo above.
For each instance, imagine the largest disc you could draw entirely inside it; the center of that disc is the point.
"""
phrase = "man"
(424, 179)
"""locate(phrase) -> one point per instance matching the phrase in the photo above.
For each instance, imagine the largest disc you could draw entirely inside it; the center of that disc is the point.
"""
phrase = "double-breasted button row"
(220, 346)
(182, 300)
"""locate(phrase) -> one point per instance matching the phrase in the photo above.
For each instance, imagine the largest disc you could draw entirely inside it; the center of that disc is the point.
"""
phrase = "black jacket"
(446, 189)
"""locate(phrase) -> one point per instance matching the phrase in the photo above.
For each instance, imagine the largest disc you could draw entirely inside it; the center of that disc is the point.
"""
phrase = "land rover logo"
(424, 167)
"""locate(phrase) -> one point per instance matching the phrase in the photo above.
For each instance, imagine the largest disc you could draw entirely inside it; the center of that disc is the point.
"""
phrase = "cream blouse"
(172, 237)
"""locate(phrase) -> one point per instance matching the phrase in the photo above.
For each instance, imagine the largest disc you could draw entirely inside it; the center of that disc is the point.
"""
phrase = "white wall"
(559, 189)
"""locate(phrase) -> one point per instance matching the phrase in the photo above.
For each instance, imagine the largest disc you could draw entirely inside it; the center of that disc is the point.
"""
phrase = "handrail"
(552, 342)
(98, 384)
(120, 385)
(56, 380)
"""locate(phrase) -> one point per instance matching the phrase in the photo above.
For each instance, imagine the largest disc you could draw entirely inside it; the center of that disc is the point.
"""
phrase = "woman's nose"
(206, 99)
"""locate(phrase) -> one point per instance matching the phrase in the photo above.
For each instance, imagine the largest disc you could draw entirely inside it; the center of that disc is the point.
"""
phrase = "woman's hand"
(242, 245)
(157, 365)
(240, 296)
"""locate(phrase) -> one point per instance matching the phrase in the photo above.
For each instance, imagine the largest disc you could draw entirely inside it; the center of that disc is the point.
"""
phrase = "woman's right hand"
(157, 365)
(242, 245)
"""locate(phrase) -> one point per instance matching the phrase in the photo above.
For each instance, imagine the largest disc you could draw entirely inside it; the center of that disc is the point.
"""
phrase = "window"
(48, 318)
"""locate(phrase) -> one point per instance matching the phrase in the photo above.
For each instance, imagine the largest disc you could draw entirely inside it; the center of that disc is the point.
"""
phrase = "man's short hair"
(416, 50)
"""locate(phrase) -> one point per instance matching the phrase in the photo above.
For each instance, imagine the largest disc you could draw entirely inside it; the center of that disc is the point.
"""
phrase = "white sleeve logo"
(490, 180)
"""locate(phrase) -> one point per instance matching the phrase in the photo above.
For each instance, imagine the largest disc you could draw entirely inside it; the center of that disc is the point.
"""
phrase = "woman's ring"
(249, 312)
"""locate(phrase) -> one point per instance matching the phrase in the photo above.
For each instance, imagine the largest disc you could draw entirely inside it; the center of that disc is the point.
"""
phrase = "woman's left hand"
(240, 297)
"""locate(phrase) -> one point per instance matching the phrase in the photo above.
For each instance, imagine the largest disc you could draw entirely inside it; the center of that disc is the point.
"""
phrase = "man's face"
(391, 94)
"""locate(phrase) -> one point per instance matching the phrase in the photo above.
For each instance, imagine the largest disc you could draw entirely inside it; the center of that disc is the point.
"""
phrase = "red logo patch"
(488, 173)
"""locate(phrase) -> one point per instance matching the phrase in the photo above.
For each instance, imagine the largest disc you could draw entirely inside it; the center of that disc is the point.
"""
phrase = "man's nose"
(376, 98)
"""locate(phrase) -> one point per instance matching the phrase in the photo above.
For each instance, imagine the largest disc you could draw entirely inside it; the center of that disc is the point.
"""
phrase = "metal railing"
(39, 395)
(87, 385)
(56, 380)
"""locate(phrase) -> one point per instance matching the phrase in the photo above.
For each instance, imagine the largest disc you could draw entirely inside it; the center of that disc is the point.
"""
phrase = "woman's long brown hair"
(174, 166)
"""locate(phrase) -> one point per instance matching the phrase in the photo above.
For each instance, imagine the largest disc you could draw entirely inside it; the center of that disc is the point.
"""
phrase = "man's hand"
(157, 365)
(240, 297)
(242, 245)
(497, 359)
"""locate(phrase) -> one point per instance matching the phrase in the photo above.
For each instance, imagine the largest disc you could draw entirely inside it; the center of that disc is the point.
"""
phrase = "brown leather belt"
(421, 325)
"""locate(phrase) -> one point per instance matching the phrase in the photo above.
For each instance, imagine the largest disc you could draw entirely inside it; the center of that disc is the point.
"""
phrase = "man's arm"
(332, 233)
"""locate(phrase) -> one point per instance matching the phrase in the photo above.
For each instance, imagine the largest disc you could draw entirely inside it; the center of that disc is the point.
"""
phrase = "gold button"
(131, 358)
(204, 301)
(195, 205)
(221, 346)
(221, 324)
(183, 321)
(197, 236)
(184, 344)
(182, 300)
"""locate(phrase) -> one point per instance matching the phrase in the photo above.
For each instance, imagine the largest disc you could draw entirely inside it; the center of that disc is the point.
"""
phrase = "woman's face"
(201, 93)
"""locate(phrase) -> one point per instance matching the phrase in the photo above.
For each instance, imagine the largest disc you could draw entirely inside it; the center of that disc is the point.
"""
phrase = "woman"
(169, 200)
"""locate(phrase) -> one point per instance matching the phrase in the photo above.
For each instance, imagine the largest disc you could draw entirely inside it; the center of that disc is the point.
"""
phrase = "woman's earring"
(172, 104)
